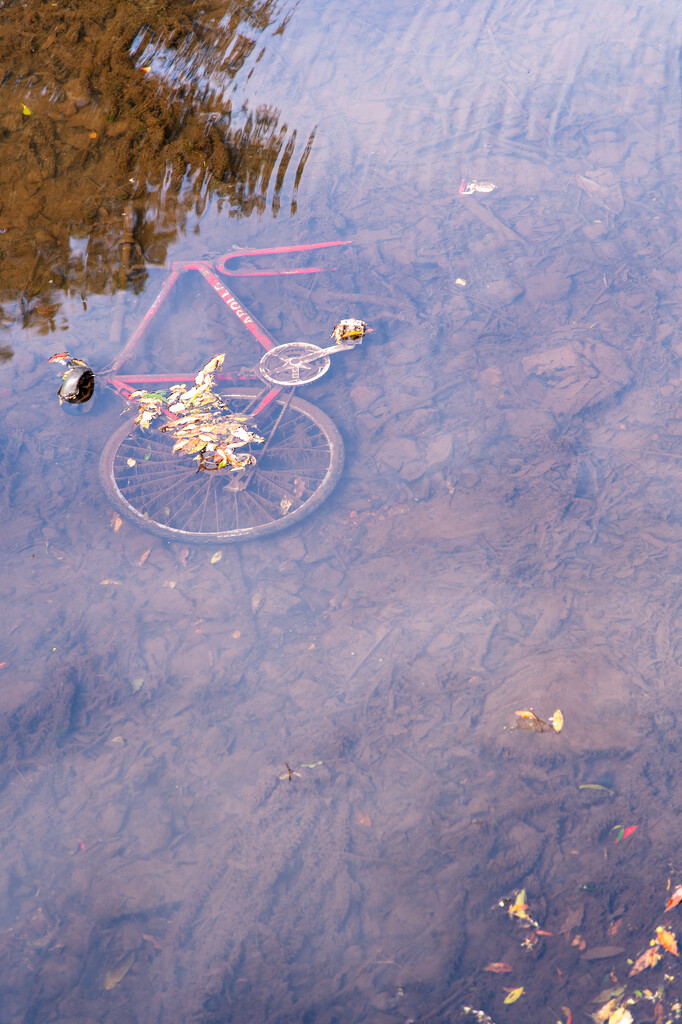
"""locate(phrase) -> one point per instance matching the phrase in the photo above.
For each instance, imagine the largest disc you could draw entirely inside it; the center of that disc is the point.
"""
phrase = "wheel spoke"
(163, 491)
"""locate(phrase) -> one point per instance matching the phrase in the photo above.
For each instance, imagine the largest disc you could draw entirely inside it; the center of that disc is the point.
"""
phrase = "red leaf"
(675, 898)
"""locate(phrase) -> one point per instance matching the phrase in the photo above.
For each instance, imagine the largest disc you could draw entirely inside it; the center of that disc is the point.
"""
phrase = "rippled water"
(505, 536)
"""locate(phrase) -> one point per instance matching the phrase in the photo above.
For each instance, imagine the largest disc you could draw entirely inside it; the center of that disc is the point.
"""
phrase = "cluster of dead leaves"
(616, 1008)
(664, 940)
(199, 420)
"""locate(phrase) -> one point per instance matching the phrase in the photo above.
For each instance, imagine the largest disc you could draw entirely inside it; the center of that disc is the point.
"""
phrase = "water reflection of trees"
(111, 102)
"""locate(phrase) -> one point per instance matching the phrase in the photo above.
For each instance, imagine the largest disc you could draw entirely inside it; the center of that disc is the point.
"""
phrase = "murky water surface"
(282, 780)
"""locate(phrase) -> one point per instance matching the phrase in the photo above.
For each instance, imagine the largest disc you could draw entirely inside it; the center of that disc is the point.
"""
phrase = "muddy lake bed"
(283, 780)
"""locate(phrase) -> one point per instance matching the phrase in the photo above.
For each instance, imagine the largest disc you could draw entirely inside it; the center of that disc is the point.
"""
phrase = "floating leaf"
(498, 967)
(363, 819)
(513, 994)
(118, 973)
(667, 940)
(557, 721)
(675, 898)
(144, 556)
(26, 111)
(528, 714)
(116, 522)
(116, 583)
(649, 958)
(216, 557)
(595, 785)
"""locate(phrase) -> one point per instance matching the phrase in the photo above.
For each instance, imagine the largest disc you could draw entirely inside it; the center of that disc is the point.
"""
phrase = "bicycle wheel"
(162, 491)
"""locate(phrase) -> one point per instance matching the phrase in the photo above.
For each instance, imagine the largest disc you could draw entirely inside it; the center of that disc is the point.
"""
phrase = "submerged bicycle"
(288, 473)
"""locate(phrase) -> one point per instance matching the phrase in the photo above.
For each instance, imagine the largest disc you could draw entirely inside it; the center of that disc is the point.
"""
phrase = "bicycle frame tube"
(220, 263)
(208, 271)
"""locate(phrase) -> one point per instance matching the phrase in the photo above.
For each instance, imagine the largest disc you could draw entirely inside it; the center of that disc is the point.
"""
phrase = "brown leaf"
(116, 974)
(573, 920)
(363, 819)
(603, 952)
(144, 556)
(116, 522)
(649, 958)
(498, 967)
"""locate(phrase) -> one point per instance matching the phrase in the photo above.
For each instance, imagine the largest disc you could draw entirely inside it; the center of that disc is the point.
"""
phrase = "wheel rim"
(297, 469)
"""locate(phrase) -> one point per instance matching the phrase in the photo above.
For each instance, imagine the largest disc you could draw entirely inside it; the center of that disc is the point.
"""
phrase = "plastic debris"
(468, 188)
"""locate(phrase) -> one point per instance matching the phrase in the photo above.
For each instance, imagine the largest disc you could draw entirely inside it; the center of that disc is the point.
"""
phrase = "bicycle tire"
(163, 493)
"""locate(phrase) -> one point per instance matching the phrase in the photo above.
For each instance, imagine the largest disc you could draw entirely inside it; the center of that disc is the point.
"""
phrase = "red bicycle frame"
(209, 270)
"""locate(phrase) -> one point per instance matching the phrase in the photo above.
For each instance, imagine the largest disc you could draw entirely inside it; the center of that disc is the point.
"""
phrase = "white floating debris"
(467, 188)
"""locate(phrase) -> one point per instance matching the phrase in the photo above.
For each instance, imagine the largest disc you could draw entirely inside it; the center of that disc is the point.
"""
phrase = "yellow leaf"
(26, 111)
(557, 721)
(112, 977)
(621, 1016)
(513, 994)
(604, 1012)
(116, 583)
(93, 135)
(116, 522)
(216, 557)
(519, 908)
